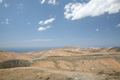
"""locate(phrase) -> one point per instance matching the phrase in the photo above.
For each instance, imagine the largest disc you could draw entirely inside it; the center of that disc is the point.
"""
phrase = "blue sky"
(58, 23)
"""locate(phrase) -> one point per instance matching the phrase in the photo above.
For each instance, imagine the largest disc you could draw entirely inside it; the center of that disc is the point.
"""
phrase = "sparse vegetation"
(117, 73)
(47, 78)
(40, 78)
(106, 78)
(114, 74)
(101, 72)
(14, 63)
(70, 79)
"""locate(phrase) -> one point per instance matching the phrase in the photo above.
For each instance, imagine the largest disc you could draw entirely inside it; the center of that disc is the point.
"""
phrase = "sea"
(18, 50)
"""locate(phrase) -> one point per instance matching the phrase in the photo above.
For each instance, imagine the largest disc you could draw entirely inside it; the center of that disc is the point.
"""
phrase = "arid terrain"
(6, 55)
(67, 63)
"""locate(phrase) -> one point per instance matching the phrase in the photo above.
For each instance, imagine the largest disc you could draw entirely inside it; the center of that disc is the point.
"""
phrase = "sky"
(58, 23)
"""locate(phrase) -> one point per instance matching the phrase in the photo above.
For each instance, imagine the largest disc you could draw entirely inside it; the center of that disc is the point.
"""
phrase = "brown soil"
(29, 74)
(6, 55)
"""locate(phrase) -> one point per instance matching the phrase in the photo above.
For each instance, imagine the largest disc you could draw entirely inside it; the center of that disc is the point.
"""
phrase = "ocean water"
(18, 50)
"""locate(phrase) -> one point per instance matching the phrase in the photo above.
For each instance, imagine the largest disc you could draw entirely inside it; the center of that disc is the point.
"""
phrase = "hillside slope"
(72, 51)
(6, 55)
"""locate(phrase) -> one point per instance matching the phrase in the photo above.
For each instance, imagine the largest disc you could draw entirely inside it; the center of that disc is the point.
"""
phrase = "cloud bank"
(92, 8)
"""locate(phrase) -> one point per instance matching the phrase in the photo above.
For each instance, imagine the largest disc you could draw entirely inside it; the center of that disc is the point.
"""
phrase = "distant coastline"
(29, 49)
(18, 50)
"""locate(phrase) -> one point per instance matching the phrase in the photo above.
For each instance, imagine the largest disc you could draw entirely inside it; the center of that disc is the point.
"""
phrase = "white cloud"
(38, 40)
(118, 25)
(97, 29)
(7, 21)
(41, 22)
(49, 2)
(92, 8)
(6, 5)
(49, 20)
(46, 21)
(41, 1)
(42, 28)
(53, 2)
(0, 1)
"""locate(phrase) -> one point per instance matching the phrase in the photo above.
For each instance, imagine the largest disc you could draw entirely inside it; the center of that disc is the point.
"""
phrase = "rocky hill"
(72, 51)
(7, 55)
